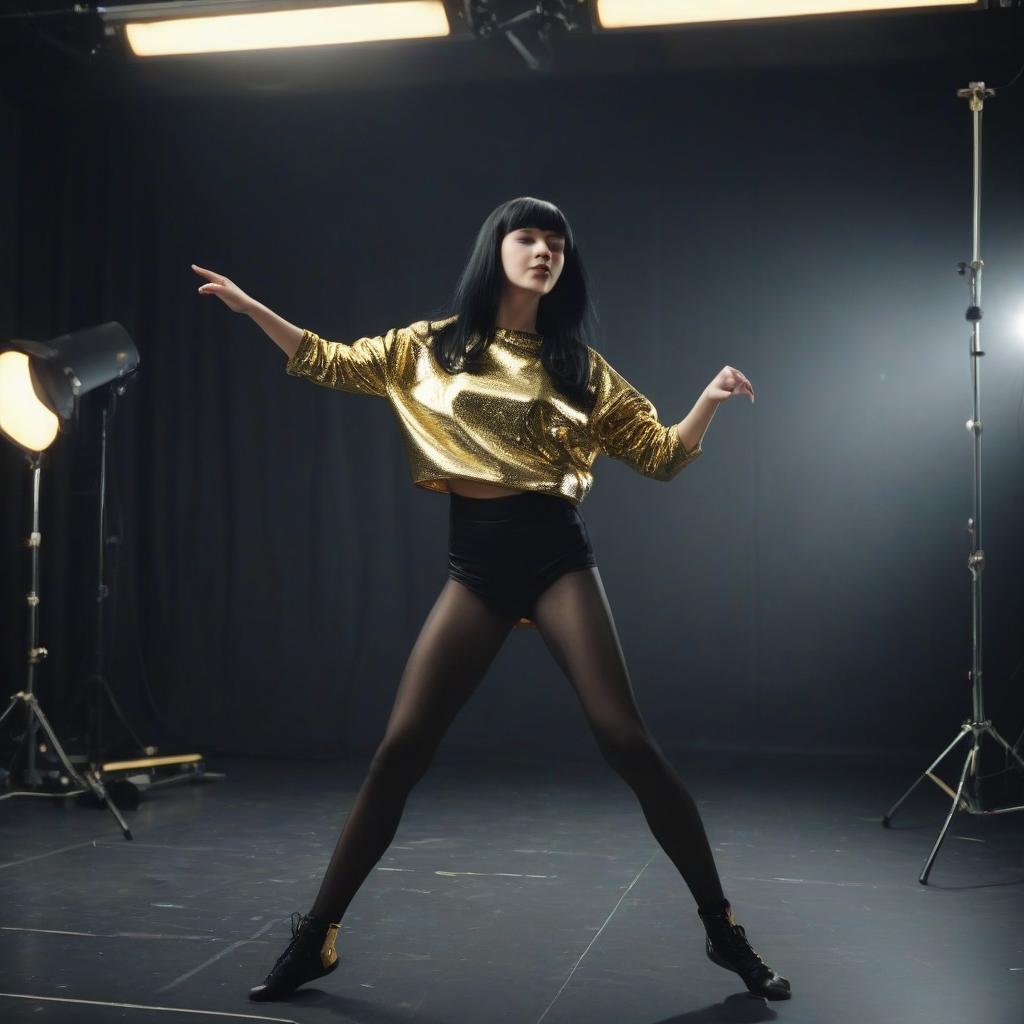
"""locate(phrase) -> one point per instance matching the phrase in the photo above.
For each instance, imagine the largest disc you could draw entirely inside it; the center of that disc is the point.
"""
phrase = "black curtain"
(802, 586)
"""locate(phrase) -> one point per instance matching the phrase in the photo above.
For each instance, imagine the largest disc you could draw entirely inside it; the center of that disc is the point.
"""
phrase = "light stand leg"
(11, 706)
(991, 730)
(970, 760)
(925, 774)
(87, 779)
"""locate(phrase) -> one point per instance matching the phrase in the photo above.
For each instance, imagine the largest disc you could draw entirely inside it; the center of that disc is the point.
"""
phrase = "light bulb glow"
(311, 26)
(636, 13)
(23, 417)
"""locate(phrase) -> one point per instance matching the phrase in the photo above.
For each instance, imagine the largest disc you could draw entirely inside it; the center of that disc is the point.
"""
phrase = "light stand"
(99, 688)
(32, 779)
(189, 767)
(977, 726)
(40, 383)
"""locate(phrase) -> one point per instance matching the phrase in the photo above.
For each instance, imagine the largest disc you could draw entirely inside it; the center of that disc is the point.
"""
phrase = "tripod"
(32, 778)
(977, 726)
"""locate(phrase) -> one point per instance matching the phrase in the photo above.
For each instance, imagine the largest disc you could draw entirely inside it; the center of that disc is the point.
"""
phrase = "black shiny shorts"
(510, 549)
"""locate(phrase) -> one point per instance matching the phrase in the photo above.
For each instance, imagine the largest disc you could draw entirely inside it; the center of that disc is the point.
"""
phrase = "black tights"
(456, 645)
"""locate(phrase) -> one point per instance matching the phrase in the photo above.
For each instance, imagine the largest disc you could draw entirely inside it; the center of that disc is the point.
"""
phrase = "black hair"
(565, 316)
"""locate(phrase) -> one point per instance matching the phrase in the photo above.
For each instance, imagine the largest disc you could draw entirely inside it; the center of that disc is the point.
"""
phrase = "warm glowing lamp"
(613, 14)
(23, 417)
(40, 383)
(221, 26)
(40, 380)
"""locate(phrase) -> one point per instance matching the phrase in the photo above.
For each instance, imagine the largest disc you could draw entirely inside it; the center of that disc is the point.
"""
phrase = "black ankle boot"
(727, 946)
(310, 954)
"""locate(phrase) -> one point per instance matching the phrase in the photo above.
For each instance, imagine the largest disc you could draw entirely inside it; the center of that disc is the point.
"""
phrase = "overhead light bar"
(637, 13)
(163, 29)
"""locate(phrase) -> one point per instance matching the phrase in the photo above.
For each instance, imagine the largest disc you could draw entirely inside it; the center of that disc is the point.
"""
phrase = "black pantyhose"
(456, 645)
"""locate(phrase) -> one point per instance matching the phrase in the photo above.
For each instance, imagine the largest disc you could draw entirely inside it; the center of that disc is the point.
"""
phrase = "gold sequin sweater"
(502, 422)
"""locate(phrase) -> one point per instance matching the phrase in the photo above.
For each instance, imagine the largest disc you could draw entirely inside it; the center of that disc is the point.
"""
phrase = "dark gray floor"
(520, 893)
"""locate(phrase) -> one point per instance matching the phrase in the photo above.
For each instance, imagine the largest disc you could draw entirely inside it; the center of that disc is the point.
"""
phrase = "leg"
(575, 621)
(457, 643)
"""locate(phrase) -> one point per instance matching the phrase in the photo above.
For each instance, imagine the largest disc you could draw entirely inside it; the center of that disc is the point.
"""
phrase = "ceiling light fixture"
(612, 14)
(218, 26)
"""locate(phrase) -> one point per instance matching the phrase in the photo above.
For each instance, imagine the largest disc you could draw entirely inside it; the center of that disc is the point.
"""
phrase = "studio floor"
(529, 893)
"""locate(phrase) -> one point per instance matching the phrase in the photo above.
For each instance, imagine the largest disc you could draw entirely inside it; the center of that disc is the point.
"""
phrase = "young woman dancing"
(505, 406)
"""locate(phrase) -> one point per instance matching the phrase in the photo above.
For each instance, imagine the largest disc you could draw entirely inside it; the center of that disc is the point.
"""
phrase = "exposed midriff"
(475, 489)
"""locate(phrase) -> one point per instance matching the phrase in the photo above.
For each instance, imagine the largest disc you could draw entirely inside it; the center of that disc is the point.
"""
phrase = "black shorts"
(510, 549)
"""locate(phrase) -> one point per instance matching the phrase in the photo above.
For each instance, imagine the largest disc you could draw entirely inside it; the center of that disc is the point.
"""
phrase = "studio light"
(218, 26)
(40, 382)
(612, 14)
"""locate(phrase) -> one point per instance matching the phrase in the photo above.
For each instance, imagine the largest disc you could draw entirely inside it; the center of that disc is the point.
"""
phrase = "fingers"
(741, 385)
(216, 281)
(212, 275)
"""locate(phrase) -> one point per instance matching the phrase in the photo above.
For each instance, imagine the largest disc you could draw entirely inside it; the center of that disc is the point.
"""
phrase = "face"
(526, 249)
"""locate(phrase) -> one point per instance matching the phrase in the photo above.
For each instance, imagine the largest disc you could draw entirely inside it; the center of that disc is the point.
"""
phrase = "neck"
(517, 310)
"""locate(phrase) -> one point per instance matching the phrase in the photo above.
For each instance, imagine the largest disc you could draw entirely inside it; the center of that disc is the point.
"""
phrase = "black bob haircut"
(565, 316)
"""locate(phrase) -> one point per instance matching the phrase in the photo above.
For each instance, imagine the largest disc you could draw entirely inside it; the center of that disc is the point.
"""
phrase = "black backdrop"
(802, 586)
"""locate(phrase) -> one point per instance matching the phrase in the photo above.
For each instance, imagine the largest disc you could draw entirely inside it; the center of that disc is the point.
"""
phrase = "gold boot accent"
(328, 954)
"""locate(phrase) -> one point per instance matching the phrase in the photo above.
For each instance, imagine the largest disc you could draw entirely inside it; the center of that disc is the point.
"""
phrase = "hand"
(729, 382)
(225, 289)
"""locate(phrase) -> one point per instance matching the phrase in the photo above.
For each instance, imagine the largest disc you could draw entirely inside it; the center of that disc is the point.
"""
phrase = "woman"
(504, 406)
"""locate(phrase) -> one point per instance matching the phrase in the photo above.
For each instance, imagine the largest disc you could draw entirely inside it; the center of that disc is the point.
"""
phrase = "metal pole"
(977, 726)
(35, 652)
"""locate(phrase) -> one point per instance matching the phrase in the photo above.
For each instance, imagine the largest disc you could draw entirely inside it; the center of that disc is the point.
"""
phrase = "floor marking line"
(595, 938)
(213, 959)
(822, 881)
(490, 874)
(143, 1006)
(46, 931)
(136, 845)
(112, 935)
(51, 853)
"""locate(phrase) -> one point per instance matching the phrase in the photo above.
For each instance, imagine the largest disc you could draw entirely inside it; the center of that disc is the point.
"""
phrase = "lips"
(545, 270)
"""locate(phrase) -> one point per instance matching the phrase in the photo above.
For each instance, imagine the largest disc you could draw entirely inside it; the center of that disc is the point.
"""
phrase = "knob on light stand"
(977, 726)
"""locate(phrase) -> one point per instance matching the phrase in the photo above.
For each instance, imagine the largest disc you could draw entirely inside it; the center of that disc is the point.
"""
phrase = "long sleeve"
(625, 425)
(361, 367)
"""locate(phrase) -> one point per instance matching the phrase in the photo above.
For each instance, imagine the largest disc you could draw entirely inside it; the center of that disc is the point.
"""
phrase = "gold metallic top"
(502, 422)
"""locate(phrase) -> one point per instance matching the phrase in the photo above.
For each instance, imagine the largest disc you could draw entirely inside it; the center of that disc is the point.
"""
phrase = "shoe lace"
(296, 927)
(736, 946)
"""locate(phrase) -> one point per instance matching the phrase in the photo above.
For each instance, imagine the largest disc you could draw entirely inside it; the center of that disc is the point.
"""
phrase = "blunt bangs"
(528, 212)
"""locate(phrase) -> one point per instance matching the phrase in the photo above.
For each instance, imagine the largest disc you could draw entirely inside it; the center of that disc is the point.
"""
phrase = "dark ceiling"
(65, 57)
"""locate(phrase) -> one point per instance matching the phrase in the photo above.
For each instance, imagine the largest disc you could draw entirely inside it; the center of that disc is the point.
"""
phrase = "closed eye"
(529, 241)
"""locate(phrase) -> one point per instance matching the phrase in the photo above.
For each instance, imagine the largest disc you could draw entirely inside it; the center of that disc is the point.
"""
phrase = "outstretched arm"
(283, 334)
